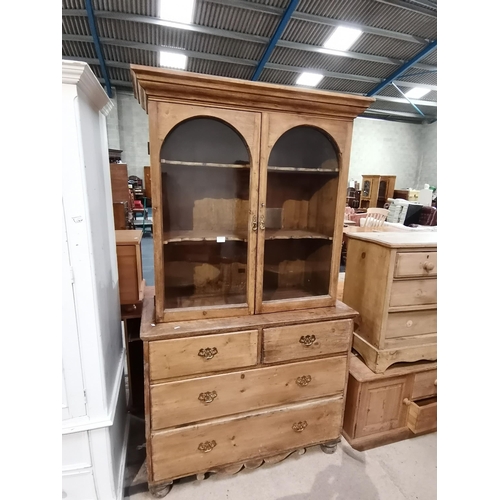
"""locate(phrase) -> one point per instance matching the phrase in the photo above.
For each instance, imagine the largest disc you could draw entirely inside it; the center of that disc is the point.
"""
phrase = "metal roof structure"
(270, 41)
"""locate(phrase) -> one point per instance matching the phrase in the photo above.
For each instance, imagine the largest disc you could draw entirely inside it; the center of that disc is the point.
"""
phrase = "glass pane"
(366, 188)
(205, 183)
(300, 215)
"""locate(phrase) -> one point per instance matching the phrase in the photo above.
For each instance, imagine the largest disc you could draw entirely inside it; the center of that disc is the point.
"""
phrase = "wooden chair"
(375, 217)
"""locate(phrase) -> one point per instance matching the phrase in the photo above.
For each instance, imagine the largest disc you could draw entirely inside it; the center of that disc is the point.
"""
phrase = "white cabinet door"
(73, 394)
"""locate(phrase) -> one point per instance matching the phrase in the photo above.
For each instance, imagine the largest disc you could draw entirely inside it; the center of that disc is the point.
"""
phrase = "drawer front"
(422, 416)
(194, 400)
(409, 323)
(425, 385)
(203, 354)
(413, 293)
(306, 340)
(199, 448)
(416, 264)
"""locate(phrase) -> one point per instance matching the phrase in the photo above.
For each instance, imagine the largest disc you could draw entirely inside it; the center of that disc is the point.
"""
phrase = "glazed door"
(302, 195)
(204, 166)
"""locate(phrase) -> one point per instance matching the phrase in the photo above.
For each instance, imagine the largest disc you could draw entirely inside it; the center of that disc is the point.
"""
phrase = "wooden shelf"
(288, 293)
(271, 234)
(175, 298)
(301, 170)
(200, 235)
(202, 164)
(294, 234)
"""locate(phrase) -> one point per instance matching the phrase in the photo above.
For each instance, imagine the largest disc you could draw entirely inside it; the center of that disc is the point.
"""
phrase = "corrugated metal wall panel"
(142, 7)
(279, 77)
(129, 55)
(293, 57)
(373, 14)
(75, 25)
(235, 19)
(219, 68)
(349, 86)
(178, 38)
(73, 4)
(79, 49)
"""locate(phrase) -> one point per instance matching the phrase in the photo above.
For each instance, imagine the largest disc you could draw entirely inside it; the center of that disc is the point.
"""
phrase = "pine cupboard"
(246, 347)
(248, 188)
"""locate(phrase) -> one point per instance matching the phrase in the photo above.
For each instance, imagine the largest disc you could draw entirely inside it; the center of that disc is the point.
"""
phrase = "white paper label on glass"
(221, 239)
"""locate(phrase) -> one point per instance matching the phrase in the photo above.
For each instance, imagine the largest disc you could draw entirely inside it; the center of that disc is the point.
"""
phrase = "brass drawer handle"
(428, 266)
(207, 397)
(254, 223)
(207, 446)
(303, 381)
(208, 353)
(406, 402)
(307, 340)
(299, 426)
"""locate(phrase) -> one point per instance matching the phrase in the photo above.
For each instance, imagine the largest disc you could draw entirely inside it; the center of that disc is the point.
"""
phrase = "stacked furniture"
(391, 280)
(132, 286)
(246, 347)
(376, 189)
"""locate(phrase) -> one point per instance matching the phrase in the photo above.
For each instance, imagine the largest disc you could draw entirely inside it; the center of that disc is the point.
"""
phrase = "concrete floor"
(404, 470)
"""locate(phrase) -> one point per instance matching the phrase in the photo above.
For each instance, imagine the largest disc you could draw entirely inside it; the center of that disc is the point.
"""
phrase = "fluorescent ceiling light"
(342, 38)
(179, 11)
(416, 93)
(309, 79)
(171, 60)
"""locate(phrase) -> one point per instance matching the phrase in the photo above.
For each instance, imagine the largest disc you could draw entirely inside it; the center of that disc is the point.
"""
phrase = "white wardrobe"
(94, 414)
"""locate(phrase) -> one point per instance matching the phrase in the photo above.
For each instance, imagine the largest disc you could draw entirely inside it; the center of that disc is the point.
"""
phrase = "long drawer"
(413, 292)
(194, 400)
(410, 323)
(198, 448)
(202, 354)
(306, 340)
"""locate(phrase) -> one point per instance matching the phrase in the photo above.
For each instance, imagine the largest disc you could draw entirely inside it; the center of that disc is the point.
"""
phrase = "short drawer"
(306, 340)
(410, 323)
(416, 264)
(413, 292)
(199, 448)
(425, 385)
(422, 415)
(194, 400)
(202, 354)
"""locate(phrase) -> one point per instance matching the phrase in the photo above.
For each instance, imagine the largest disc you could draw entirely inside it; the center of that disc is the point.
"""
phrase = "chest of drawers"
(223, 394)
(391, 280)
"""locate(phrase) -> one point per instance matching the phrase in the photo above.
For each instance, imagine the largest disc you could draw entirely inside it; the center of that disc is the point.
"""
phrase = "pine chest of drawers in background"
(223, 394)
(391, 280)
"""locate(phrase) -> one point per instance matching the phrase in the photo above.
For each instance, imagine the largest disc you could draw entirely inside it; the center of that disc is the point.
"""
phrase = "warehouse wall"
(383, 147)
(378, 147)
(427, 173)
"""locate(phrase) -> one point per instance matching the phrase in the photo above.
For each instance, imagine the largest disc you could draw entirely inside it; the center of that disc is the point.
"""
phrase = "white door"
(73, 395)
